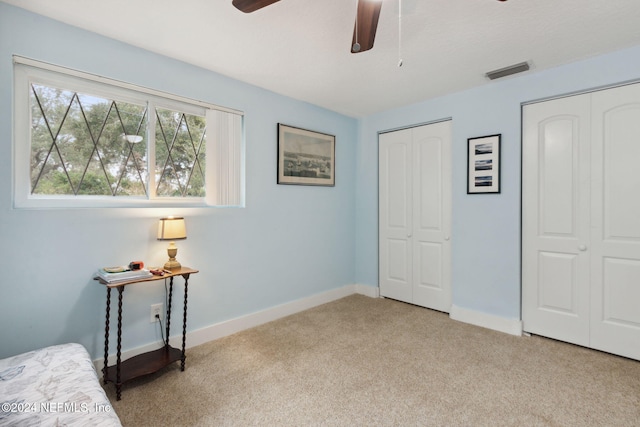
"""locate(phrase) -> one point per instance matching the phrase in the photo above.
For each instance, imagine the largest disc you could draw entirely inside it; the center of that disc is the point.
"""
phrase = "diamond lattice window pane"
(48, 108)
(180, 151)
(51, 103)
(84, 144)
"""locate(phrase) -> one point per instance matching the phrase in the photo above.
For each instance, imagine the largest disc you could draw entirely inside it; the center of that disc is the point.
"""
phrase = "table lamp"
(172, 228)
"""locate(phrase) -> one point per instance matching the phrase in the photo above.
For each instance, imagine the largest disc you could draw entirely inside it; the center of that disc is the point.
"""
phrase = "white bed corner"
(53, 386)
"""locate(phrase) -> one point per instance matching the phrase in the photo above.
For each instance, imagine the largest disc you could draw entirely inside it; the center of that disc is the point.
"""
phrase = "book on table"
(121, 274)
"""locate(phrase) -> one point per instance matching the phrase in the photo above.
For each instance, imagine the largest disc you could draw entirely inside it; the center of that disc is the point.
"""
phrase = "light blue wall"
(289, 242)
(486, 228)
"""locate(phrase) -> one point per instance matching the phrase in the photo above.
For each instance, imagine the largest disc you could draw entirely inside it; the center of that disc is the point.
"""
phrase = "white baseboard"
(489, 321)
(231, 326)
(369, 291)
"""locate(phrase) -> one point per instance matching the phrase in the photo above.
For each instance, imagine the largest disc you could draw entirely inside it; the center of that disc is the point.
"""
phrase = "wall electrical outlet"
(155, 309)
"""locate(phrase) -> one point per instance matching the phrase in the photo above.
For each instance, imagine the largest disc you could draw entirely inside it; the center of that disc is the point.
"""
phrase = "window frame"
(28, 71)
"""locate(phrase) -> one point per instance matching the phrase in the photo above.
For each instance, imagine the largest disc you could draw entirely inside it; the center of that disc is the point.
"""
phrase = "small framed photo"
(305, 157)
(483, 164)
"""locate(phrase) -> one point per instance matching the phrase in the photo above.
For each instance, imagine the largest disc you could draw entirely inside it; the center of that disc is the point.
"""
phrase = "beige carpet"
(364, 361)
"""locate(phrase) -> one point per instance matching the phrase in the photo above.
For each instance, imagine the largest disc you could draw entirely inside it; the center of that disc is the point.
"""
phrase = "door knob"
(582, 248)
(408, 235)
(446, 238)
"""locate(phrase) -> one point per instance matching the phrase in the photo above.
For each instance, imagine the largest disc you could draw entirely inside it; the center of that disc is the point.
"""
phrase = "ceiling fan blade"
(366, 25)
(248, 6)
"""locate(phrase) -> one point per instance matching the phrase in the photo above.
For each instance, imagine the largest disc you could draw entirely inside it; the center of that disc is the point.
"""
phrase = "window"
(87, 141)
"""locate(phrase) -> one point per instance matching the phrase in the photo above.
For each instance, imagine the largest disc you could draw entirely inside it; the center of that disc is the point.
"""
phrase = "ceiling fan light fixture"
(507, 71)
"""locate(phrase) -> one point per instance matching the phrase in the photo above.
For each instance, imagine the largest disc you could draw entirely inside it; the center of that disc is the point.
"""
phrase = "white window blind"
(226, 146)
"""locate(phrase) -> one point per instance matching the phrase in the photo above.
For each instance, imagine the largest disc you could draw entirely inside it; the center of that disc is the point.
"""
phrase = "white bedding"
(53, 386)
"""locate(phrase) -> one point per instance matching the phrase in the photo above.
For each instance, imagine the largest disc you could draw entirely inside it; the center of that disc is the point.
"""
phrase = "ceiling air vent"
(507, 71)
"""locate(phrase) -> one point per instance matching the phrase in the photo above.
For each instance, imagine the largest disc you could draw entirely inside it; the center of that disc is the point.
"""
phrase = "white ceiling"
(301, 48)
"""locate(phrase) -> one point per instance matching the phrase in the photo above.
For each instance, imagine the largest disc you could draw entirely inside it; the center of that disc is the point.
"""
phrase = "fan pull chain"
(399, 33)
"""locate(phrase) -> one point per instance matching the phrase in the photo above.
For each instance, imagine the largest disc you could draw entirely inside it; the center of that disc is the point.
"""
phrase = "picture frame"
(483, 164)
(305, 157)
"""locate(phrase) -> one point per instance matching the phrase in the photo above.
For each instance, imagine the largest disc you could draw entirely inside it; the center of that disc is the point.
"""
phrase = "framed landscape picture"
(305, 157)
(483, 164)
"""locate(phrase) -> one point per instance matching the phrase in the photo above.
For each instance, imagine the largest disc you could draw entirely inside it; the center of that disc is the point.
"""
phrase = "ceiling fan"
(364, 31)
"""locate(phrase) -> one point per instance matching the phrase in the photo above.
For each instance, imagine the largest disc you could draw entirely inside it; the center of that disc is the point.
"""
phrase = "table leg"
(184, 323)
(118, 359)
(106, 338)
(169, 310)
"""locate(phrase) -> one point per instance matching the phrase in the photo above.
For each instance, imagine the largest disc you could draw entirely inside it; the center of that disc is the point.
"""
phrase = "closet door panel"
(428, 215)
(620, 296)
(432, 212)
(555, 300)
(558, 174)
(395, 215)
(558, 290)
(398, 180)
(428, 188)
(615, 285)
(398, 254)
(430, 265)
(621, 177)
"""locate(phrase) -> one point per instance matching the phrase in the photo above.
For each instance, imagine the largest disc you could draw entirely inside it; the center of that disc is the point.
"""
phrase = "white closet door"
(395, 215)
(581, 220)
(415, 215)
(432, 216)
(555, 219)
(615, 223)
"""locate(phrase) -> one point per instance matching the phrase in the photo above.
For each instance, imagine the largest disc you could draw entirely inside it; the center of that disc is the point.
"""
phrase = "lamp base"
(172, 251)
(170, 265)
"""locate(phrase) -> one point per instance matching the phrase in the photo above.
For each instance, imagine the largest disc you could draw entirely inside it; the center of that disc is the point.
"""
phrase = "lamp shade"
(172, 228)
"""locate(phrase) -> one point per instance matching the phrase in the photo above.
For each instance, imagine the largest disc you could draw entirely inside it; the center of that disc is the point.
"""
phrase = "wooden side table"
(152, 361)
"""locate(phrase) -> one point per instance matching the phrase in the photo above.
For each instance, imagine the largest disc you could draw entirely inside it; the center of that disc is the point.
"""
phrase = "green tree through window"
(83, 140)
(179, 154)
(87, 145)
